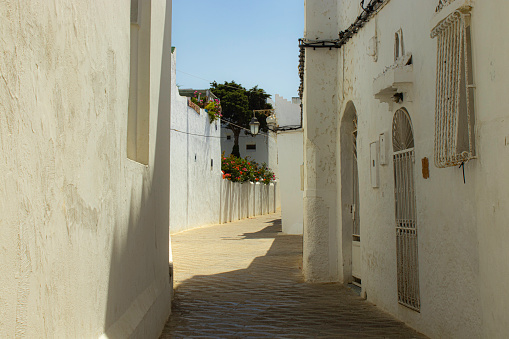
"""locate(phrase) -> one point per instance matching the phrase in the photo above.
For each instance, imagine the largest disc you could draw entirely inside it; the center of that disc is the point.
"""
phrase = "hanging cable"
(198, 135)
(231, 123)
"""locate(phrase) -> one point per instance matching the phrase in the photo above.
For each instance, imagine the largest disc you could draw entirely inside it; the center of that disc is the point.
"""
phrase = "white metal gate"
(406, 221)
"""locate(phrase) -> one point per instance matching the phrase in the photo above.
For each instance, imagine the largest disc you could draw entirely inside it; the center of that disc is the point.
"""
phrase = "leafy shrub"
(213, 109)
(242, 170)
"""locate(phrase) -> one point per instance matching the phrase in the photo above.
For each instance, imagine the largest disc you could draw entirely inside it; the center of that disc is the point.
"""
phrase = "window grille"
(442, 4)
(406, 221)
(251, 147)
(454, 116)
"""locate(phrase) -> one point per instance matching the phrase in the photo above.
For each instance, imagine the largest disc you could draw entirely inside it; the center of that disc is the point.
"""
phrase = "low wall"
(245, 200)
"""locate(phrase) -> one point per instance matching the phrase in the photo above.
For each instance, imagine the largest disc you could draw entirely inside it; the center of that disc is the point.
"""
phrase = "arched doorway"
(351, 233)
(405, 210)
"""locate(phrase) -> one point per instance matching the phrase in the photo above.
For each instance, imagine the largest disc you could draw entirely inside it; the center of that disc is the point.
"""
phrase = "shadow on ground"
(270, 299)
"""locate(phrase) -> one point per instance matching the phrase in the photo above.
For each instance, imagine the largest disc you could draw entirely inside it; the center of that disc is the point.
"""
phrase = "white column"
(321, 104)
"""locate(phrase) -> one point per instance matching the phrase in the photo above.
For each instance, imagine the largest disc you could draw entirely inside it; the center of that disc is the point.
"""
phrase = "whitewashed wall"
(274, 163)
(83, 229)
(266, 150)
(246, 200)
(195, 170)
(290, 146)
(260, 155)
(461, 228)
(287, 112)
(488, 173)
(290, 158)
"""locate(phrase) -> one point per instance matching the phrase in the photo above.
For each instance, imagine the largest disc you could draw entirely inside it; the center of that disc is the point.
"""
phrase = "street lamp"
(254, 125)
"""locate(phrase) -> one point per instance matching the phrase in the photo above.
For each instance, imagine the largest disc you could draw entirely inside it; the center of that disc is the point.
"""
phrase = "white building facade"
(404, 151)
(195, 159)
(255, 147)
(84, 167)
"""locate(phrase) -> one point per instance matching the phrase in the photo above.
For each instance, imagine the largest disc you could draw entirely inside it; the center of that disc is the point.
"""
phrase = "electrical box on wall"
(373, 150)
(382, 143)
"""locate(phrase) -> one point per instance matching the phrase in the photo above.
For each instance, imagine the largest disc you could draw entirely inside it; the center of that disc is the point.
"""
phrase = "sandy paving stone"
(243, 280)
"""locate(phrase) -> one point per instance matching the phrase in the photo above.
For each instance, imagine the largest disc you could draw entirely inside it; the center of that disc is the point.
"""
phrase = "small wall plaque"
(425, 168)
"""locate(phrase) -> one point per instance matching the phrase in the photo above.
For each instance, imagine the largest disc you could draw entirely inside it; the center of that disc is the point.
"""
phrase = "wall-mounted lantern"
(254, 125)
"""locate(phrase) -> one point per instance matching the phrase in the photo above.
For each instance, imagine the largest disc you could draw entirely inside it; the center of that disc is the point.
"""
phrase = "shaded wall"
(84, 230)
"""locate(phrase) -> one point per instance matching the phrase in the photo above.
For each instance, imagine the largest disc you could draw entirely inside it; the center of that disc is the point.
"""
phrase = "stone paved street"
(243, 280)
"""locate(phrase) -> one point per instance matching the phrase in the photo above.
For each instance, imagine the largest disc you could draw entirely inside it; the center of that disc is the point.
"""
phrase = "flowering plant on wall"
(243, 170)
(211, 106)
(199, 100)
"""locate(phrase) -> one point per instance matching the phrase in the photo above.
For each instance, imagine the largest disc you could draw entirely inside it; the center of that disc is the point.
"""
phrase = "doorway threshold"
(355, 288)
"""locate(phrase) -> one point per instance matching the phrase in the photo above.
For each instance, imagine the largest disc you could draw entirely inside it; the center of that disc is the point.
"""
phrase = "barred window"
(454, 110)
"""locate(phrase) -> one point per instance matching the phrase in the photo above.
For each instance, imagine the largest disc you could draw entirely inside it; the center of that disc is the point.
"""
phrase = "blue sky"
(251, 42)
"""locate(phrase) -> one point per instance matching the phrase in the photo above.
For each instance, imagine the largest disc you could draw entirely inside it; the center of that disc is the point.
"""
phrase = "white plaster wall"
(287, 112)
(290, 159)
(290, 146)
(260, 155)
(320, 102)
(84, 230)
(448, 262)
(195, 171)
(491, 76)
(272, 154)
(246, 200)
(225, 200)
(274, 163)
(461, 228)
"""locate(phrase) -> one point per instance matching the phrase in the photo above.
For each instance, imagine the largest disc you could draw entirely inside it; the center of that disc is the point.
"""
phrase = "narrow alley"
(243, 280)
